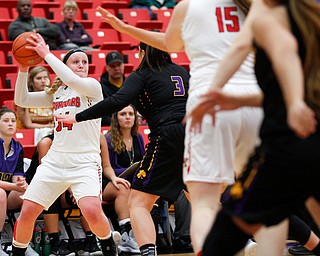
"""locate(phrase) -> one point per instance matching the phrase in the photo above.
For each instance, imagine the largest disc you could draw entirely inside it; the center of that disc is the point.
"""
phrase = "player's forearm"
(250, 100)
(154, 39)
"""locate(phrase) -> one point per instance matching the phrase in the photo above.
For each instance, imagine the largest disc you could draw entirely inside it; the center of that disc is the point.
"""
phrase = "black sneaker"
(182, 245)
(91, 246)
(61, 249)
(109, 248)
(299, 250)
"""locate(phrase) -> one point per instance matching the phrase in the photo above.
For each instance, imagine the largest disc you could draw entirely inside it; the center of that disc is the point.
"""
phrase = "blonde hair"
(52, 88)
(306, 15)
(70, 4)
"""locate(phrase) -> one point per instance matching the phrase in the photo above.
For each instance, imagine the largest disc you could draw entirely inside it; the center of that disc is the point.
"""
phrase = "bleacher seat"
(26, 138)
(9, 104)
(114, 4)
(126, 38)
(139, 18)
(164, 16)
(45, 5)
(9, 4)
(144, 130)
(132, 57)
(5, 13)
(4, 24)
(6, 94)
(181, 59)
(94, 15)
(4, 70)
(107, 39)
(10, 81)
(36, 12)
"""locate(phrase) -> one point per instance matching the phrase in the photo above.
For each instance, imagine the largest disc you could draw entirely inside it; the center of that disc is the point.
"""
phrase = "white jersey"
(207, 36)
(83, 137)
(78, 95)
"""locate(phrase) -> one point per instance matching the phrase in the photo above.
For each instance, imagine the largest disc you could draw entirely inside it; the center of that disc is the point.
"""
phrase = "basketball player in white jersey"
(74, 157)
(205, 29)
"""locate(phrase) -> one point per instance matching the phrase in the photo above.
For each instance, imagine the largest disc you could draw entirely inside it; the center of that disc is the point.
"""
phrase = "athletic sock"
(54, 238)
(148, 250)
(18, 251)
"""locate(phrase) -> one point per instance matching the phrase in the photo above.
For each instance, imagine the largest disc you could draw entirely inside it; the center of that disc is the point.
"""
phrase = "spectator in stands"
(112, 79)
(26, 22)
(153, 5)
(39, 119)
(12, 177)
(72, 33)
(126, 146)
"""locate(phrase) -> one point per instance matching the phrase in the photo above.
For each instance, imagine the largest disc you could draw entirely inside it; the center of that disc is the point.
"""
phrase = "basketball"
(22, 55)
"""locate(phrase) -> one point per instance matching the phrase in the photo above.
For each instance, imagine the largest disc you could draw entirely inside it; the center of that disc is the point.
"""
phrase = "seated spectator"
(112, 79)
(126, 147)
(26, 22)
(51, 217)
(72, 33)
(12, 178)
(153, 5)
(39, 119)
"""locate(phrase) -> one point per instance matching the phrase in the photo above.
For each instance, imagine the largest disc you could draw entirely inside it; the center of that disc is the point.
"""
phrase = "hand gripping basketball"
(24, 56)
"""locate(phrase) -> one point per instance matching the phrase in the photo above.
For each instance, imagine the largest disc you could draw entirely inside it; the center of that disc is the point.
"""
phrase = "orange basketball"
(21, 54)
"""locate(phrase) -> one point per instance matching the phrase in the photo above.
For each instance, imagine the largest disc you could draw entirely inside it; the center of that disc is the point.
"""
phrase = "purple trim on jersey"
(8, 165)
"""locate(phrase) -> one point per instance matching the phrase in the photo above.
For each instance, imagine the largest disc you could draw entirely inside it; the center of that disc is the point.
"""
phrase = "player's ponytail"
(52, 88)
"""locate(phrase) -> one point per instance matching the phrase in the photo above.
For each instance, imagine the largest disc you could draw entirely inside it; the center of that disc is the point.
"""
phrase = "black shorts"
(160, 171)
(276, 182)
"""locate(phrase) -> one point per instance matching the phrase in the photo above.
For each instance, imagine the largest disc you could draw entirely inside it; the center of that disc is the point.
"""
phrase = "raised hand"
(38, 45)
(112, 20)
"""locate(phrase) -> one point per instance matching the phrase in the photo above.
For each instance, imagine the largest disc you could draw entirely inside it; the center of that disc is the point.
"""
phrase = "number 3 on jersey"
(227, 19)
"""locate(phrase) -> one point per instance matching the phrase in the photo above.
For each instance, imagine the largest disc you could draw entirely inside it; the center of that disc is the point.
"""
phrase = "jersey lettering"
(227, 19)
(70, 102)
(178, 82)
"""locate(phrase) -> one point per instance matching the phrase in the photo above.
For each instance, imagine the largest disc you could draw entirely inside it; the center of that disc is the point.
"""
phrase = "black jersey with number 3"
(160, 96)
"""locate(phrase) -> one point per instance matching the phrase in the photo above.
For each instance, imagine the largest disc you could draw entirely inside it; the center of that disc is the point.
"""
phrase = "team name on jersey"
(73, 102)
(5, 176)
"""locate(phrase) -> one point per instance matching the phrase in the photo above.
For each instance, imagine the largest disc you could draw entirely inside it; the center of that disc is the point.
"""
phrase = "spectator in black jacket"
(112, 79)
(26, 22)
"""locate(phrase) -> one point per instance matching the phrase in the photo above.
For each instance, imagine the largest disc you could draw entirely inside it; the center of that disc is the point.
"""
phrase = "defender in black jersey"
(284, 172)
(160, 89)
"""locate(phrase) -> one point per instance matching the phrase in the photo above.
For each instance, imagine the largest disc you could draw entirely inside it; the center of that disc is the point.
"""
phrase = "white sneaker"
(250, 248)
(128, 243)
(30, 251)
(116, 237)
(2, 252)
